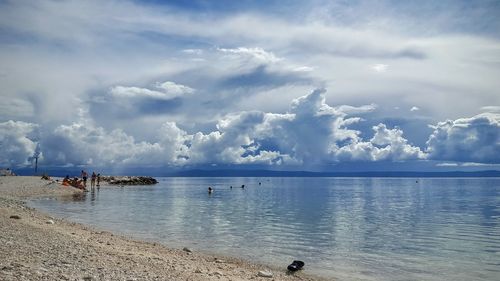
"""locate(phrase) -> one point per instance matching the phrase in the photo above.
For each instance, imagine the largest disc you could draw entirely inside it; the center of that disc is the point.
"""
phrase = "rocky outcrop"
(129, 180)
(6, 172)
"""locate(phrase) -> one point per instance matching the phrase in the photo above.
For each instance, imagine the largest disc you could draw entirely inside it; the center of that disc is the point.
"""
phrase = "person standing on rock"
(84, 177)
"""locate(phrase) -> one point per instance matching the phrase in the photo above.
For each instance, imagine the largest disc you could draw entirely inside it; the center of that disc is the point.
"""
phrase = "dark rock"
(15, 217)
(129, 180)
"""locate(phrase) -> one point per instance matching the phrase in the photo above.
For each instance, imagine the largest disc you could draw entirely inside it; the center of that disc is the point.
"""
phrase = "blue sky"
(294, 85)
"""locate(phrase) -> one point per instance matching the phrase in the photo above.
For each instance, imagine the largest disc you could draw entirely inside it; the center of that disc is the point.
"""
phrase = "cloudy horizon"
(321, 85)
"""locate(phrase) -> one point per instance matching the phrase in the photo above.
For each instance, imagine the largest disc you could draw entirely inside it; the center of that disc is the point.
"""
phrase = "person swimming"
(210, 190)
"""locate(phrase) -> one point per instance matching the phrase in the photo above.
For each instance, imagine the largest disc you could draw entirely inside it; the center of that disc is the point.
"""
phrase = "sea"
(342, 228)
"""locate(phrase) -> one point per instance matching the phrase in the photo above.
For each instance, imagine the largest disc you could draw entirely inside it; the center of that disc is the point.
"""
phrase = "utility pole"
(36, 164)
(35, 156)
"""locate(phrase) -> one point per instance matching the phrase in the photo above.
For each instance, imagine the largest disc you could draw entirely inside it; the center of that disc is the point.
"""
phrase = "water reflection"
(366, 228)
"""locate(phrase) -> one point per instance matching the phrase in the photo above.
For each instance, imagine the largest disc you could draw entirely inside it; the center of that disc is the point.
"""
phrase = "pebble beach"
(36, 246)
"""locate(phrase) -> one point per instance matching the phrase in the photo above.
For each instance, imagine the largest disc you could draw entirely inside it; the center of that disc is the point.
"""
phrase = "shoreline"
(36, 246)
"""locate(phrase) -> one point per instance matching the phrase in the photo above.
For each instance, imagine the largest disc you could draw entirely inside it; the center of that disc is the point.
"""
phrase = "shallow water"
(347, 228)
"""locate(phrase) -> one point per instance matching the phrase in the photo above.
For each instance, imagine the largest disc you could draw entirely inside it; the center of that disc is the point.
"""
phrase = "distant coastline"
(269, 173)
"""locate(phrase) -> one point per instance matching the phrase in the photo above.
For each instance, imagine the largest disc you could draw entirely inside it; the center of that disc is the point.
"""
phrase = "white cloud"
(393, 146)
(414, 108)
(303, 68)
(84, 144)
(379, 67)
(491, 108)
(100, 48)
(17, 143)
(310, 133)
(475, 139)
(88, 41)
(193, 51)
(357, 110)
(258, 54)
(447, 164)
(174, 89)
(136, 92)
(169, 90)
(16, 108)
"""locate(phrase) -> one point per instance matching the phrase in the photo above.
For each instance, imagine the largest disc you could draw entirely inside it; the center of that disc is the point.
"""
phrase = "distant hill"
(268, 173)
(165, 172)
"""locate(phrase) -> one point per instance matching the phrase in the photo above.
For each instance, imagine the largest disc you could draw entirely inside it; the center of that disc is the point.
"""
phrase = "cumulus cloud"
(414, 108)
(17, 142)
(392, 145)
(310, 133)
(475, 139)
(84, 144)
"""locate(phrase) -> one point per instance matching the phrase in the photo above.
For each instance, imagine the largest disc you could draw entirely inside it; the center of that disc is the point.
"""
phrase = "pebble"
(266, 274)
(49, 222)
(186, 249)
(7, 267)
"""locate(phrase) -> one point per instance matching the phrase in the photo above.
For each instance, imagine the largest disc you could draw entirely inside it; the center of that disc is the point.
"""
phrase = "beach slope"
(35, 246)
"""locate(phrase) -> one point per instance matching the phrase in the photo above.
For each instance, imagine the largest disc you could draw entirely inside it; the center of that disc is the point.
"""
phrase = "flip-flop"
(296, 265)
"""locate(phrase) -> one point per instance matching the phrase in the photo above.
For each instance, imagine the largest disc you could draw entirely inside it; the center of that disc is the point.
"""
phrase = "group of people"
(210, 189)
(95, 181)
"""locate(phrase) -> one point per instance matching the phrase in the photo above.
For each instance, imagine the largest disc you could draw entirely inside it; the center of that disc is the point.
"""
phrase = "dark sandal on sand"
(296, 265)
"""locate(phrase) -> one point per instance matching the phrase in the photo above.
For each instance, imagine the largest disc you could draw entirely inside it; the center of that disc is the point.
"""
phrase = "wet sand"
(35, 246)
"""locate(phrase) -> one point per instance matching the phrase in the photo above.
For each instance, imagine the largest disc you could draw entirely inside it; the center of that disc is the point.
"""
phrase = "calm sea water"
(346, 228)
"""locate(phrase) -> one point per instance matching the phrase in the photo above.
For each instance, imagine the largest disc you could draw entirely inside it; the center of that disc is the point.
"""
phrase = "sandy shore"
(35, 246)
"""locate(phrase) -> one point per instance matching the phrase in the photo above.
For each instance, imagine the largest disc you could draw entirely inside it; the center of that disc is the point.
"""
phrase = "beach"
(36, 246)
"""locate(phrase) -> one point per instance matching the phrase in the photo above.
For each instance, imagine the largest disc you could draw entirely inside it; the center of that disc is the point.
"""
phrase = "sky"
(280, 85)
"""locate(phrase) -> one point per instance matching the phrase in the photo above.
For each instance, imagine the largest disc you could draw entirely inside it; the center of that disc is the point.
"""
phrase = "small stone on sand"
(266, 274)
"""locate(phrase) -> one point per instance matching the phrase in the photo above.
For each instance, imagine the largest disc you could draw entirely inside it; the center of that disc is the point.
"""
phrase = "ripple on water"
(354, 229)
